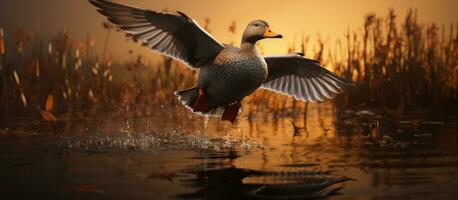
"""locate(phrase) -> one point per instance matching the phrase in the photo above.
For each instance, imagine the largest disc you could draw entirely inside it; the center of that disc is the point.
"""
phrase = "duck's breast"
(232, 75)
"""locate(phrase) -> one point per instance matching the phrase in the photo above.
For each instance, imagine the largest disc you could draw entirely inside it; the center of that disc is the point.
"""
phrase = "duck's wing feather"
(177, 36)
(302, 78)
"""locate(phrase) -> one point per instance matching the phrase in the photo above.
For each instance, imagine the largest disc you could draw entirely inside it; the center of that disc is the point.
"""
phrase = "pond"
(167, 153)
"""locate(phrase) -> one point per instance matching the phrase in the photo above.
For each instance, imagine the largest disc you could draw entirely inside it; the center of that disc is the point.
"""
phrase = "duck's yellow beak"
(268, 33)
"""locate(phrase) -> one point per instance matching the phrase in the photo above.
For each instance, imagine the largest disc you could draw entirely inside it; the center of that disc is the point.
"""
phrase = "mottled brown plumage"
(227, 73)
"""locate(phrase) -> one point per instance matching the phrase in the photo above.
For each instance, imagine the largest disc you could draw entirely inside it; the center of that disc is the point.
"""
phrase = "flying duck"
(227, 73)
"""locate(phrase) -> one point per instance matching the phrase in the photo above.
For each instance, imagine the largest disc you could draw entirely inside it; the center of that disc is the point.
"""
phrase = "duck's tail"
(188, 98)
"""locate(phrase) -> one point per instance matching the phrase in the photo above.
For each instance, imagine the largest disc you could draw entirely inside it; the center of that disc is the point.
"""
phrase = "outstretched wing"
(177, 36)
(302, 78)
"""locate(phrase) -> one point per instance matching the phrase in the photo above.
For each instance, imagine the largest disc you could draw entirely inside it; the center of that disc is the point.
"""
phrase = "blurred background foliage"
(402, 65)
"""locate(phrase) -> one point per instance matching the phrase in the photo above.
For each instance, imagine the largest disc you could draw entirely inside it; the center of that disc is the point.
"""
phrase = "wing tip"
(97, 3)
(183, 15)
(94, 2)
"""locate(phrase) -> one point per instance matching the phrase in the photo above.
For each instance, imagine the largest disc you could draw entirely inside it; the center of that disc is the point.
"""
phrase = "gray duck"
(227, 73)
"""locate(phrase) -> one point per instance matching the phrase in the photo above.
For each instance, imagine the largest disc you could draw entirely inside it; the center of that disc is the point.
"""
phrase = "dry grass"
(405, 65)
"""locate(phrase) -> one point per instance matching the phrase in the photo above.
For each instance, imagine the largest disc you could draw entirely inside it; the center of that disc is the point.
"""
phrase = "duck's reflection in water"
(275, 156)
(216, 180)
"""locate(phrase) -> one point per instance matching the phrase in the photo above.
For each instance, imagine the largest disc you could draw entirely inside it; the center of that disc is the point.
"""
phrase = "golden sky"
(330, 18)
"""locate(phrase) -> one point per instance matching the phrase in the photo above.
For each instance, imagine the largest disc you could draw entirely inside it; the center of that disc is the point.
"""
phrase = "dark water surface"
(161, 154)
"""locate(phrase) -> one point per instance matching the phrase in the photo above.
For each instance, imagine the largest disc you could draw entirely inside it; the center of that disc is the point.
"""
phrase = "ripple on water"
(152, 142)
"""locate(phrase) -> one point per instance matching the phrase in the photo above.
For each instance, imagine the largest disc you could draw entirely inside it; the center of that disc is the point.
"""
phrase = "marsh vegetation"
(399, 65)
(78, 124)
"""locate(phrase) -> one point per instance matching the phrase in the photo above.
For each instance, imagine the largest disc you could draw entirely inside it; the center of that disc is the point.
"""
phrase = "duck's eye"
(256, 25)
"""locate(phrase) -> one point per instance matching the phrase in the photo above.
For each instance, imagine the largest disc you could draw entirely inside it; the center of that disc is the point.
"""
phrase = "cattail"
(81, 48)
(91, 96)
(20, 37)
(46, 114)
(90, 93)
(106, 72)
(64, 61)
(95, 71)
(78, 64)
(108, 26)
(37, 68)
(50, 48)
(24, 100)
(49, 103)
(92, 42)
(16, 77)
(2, 43)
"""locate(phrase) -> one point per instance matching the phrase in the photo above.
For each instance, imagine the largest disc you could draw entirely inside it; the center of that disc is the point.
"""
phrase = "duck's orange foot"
(231, 112)
(201, 103)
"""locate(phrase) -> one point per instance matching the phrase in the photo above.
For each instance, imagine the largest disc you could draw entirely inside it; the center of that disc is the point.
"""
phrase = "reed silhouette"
(402, 66)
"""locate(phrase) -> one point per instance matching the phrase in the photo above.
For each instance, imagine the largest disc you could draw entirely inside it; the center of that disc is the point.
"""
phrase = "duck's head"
(258, 30)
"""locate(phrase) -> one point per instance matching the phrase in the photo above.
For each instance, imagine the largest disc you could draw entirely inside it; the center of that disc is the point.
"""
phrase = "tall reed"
(403, 65)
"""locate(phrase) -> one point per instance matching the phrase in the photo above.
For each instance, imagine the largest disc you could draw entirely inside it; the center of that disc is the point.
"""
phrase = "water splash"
(154, 141)
(206, 118)
(109, 144)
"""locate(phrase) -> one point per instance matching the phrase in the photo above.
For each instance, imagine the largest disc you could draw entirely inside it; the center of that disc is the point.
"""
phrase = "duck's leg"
(231, 111)
(201, 102)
